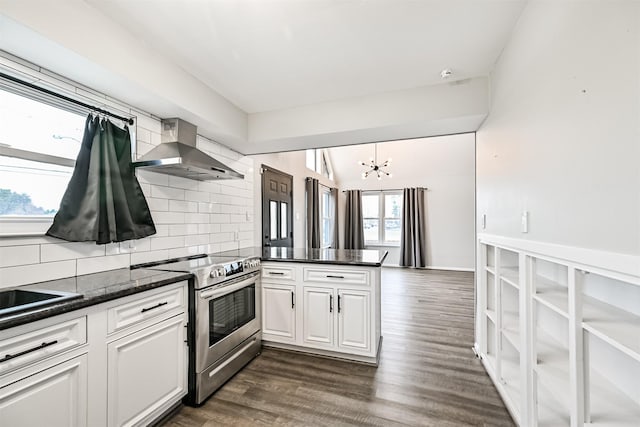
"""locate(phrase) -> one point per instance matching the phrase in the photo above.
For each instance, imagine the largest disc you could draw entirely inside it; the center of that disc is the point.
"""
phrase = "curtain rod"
(389, 189)
(66, 98)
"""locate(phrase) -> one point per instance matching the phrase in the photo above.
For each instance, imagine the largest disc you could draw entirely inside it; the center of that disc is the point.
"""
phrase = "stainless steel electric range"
(224, 318)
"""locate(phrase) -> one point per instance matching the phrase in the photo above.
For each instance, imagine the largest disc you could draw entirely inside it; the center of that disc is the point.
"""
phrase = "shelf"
(490, 269)
(510, 275)
(552, 295)
(511, 328)
(491, 315)
(610, 407)
(510, 382)
(616, 327)
(552, 366)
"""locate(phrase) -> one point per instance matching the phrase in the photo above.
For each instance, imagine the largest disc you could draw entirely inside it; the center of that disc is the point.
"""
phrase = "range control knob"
(214, 273)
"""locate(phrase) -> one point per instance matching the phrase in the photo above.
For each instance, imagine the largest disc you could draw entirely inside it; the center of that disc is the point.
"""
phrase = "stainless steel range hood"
(177, 155)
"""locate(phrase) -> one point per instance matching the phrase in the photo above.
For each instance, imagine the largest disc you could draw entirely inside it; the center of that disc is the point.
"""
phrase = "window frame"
(381, 218)
(37, 225)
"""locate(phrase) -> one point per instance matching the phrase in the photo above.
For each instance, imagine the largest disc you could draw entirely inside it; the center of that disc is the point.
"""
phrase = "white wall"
(191, 216)
(444, 165)
(562, 139)
(293, 163)
(442, 109)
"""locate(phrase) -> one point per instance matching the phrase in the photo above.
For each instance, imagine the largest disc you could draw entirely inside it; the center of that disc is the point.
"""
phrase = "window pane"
(392, 205)
(33, 126)
(392, 230)
(326, 232)
(283, 220)
(311, 159)
(31, 188)
(371, 230)
(273, 220)
(370, 205)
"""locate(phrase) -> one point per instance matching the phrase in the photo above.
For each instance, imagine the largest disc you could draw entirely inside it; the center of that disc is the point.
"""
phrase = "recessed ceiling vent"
(177, 155)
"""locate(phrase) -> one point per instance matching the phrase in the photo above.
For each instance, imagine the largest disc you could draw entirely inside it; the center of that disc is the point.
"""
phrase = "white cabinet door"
(278, 313)
(354, 320)
(318, 315)
(56, 396)
(146, 372)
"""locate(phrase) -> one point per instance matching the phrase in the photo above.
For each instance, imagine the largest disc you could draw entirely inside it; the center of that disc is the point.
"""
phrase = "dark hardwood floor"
(428, 375)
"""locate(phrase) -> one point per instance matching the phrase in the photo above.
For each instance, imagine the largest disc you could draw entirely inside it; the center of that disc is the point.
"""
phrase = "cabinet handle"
(22, 353)
(160, 304)
(334, 277)
(276, 273)
(338, 303)
(293, 299)
(330, 303)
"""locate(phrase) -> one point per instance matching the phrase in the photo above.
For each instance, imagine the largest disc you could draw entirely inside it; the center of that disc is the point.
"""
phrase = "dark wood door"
(277, 208)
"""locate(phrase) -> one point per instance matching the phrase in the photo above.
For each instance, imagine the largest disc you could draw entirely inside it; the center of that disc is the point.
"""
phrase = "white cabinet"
(123, 362)
(559, 332)
(146, 370)
(278, 312)
(354, 330)
(146, 355)
(56, 396)
(318, 317)
(334, 310)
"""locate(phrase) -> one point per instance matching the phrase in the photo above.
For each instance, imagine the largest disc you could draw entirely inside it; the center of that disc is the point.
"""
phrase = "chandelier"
(373, 168)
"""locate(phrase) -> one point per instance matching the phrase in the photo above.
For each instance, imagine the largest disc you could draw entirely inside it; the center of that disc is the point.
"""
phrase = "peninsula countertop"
(361, 257)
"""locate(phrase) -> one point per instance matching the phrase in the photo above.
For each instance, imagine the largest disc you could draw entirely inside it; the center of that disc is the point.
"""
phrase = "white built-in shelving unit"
(558, 331)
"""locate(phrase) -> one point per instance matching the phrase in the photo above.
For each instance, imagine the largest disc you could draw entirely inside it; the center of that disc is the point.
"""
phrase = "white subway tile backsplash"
(33, 273)
(166, 242)
(146, 122)
(19, 255)
(197, 218)
(103, 263)
(72, 250)
(167, 192)
(197, 196)
(153, 177)
(143, 135)
(162, 230)
(219, 218)
(182, 206)
(182, 229)
(158, 204)
(168, 217)
(151, 256)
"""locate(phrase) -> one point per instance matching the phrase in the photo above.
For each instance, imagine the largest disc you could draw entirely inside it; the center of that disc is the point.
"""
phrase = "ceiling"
(266, 55)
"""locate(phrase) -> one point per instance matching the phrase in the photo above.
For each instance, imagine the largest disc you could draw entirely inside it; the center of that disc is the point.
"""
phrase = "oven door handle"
(219, 291)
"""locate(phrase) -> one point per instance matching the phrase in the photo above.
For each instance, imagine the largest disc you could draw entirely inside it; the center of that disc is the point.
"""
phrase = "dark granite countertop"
(95, 289)
(359, 257)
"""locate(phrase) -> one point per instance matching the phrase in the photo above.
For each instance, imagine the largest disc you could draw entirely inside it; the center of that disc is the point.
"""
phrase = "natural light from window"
(382, 213)
(39, 142)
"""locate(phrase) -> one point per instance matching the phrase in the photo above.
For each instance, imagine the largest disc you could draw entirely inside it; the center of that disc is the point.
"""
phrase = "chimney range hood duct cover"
(177, 155)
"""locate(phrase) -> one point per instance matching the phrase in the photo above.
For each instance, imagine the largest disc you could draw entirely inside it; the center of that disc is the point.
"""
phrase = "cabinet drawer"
(33, 346)
(157, 306)
(279, 273)
(336, 276)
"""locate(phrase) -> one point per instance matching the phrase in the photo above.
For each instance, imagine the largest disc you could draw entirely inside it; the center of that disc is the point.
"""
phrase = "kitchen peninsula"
(323, 301)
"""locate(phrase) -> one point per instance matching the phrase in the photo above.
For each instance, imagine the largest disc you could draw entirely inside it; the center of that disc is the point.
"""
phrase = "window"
(381, 211)
(327, 217)
(318, 160)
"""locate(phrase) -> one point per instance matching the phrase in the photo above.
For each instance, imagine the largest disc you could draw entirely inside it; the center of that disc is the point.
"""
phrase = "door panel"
(278, 312)
(318, 317)
(354, 320)
(277, 208)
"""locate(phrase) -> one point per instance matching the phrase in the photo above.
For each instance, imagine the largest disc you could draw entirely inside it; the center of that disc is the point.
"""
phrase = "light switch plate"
(484, 221)
(525, 221)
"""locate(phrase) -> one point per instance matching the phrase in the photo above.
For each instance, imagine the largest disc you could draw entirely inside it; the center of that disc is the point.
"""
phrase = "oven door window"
(230, 312)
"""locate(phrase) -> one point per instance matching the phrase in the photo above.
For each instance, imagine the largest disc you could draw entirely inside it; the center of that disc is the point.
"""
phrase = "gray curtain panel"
(353, 224)
(334, 239)
(103, 202)
(413, 238)
(313, 213)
